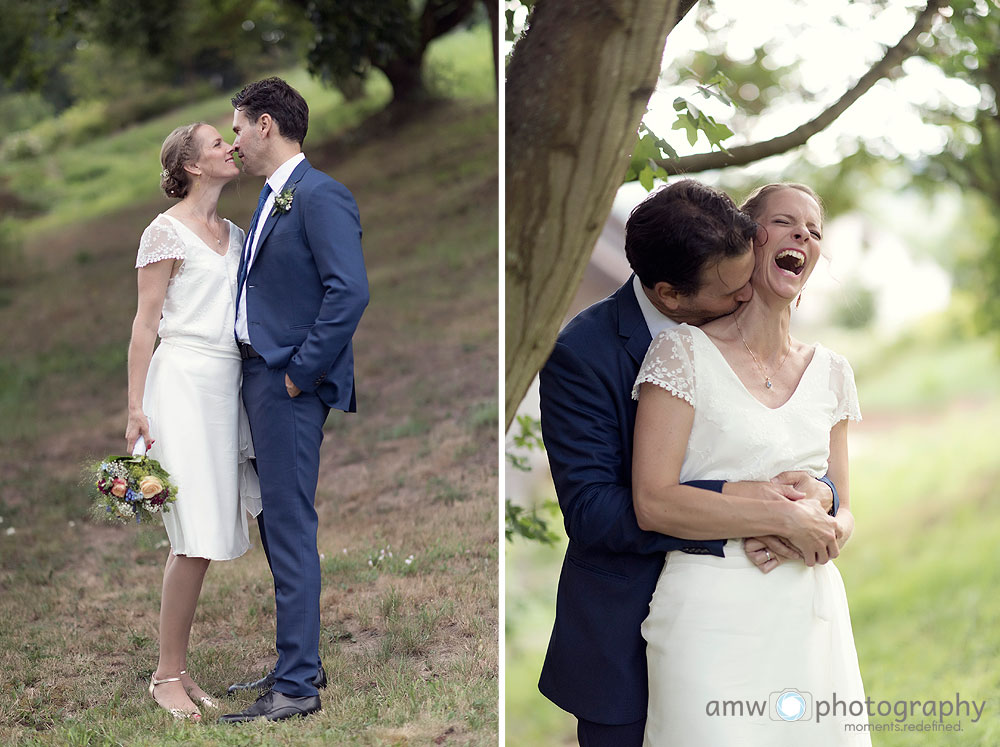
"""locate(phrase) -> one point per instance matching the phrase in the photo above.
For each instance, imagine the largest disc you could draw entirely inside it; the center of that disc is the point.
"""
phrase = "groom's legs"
(590, 734)
(287, 434)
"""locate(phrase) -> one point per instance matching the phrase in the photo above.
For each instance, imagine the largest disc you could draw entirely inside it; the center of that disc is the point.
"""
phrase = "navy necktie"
(245, 259)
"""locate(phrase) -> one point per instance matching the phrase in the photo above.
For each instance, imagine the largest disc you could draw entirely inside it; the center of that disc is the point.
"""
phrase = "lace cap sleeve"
(159, 241)
(843, 386)
(669, 363)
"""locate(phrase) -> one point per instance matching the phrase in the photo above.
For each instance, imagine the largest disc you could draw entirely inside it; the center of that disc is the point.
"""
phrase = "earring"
(798, 300)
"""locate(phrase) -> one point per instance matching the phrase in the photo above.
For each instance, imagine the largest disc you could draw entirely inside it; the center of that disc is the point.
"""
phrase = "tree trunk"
(406, 77)
(493, 11)
(577, 87)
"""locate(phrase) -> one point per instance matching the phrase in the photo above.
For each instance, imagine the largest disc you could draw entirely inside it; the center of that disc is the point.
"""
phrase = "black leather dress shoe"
(274, 706)
(266, 682)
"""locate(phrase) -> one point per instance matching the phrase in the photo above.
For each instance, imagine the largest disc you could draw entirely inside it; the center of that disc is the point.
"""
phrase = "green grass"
(920, 572)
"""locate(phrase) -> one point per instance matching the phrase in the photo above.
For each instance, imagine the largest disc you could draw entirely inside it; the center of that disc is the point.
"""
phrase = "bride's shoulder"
(680, 334)
(160, 240)
(159, 225)
(836, 361)
(234, 227)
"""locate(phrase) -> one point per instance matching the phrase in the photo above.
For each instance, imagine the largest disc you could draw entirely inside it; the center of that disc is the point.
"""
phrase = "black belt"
(247, 351)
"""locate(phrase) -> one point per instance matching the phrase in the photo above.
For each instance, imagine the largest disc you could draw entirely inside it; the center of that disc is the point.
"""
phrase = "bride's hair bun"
(180, 148)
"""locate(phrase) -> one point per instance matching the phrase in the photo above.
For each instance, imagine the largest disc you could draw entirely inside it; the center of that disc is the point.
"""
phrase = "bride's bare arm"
(840, 474)
(152, 286)
(663, 426)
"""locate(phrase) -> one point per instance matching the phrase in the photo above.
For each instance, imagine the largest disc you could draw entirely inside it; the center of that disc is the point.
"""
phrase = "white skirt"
(192, 399)
(739, 657)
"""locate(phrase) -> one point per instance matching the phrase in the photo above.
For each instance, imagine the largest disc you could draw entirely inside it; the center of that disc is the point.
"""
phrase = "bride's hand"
(138, 425)
(768, 552)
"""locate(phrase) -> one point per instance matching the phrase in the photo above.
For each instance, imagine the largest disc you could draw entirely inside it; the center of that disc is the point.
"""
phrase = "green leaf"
(646, 179)
(529, 525)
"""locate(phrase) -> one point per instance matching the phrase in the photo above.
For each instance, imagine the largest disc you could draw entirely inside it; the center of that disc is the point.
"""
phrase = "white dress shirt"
(656, 320)
(276, 181)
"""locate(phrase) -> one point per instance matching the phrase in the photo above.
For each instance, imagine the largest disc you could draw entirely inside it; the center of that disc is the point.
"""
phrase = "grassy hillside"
(921, 578)
(407, 492)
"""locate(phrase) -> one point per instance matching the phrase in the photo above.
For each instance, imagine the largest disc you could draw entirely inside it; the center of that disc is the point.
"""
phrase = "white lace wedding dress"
(723, 640)
(192, 395)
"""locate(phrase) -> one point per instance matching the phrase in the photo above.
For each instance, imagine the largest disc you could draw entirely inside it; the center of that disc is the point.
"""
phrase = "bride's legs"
(182, 581)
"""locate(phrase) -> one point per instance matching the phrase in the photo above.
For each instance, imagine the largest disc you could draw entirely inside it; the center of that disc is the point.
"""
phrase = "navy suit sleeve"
(332, 230)
(836, 498)
(583, 429)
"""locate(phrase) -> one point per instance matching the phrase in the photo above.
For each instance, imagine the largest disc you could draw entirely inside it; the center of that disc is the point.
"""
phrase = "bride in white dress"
(186, 395)
(737, 656)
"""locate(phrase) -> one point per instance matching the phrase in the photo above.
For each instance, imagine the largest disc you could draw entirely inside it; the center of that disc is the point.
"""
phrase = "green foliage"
(72, 50)
(528, 437)
(649, 148)
(353, 36)
(691, 119)
(521, 522)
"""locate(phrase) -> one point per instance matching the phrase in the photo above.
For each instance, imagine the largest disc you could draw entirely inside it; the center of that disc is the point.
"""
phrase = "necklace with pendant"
(767, 379)
(213, 234)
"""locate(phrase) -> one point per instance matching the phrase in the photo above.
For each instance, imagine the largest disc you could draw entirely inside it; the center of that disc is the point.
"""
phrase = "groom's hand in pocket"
(293, 391)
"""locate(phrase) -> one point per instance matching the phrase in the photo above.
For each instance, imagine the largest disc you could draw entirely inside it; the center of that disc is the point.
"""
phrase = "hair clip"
(164, 174)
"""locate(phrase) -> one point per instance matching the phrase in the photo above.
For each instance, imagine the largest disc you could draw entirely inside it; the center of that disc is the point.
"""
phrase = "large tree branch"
(441, 16)
(744, 154)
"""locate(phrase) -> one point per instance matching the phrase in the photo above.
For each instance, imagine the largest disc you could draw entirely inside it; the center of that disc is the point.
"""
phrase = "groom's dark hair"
(677, 231)
(275, 97)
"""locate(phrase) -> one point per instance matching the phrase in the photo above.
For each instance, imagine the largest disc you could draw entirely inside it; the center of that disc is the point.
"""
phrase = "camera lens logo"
(790, 705)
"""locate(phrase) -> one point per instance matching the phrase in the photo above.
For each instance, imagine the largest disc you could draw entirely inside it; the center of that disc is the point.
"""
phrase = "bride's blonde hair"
(179, 149)
(753, 205)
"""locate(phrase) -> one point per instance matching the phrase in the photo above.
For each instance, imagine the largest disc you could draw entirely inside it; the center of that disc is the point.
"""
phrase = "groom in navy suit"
(690, 248)
(301, 290)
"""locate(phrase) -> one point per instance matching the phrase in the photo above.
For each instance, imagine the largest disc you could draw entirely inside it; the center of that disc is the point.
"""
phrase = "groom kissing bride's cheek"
(739, 434)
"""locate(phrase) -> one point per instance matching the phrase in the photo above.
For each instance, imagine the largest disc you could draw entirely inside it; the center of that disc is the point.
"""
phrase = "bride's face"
(216, 157)
(788, 247)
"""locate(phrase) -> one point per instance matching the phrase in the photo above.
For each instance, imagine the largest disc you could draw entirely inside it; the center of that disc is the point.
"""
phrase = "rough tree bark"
(577, 87)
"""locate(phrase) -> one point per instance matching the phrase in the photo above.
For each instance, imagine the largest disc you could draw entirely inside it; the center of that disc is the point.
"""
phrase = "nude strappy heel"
(204, 699)
(177, 713)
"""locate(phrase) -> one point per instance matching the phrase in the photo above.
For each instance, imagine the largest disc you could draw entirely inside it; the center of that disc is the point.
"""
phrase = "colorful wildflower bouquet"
(131, 487)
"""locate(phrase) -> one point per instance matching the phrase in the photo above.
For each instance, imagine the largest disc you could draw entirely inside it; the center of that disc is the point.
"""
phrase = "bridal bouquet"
(131, 486)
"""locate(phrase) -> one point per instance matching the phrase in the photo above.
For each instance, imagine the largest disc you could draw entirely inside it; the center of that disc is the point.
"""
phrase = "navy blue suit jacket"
(307, 287)
(595, 666)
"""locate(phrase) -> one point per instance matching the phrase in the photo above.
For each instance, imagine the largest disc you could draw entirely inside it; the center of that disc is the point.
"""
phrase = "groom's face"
(248, 143)
(724, 286)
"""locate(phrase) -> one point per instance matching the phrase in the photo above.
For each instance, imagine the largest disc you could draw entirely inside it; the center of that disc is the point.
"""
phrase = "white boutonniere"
(283, 201)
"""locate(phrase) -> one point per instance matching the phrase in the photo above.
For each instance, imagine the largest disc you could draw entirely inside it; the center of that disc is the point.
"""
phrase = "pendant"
(767, 383)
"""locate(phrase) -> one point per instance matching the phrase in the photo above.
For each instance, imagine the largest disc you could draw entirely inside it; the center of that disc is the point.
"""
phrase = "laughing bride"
(740, 399)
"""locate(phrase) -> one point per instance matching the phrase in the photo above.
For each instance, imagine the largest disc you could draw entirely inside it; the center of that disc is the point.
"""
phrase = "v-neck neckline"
(229, 235)
(798, 385)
